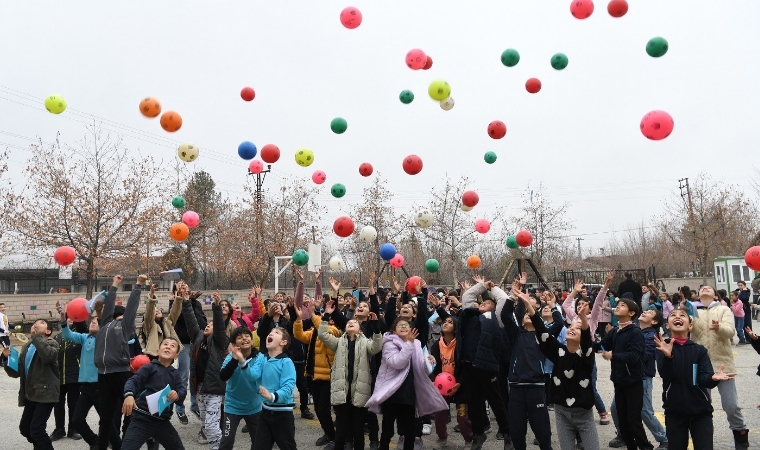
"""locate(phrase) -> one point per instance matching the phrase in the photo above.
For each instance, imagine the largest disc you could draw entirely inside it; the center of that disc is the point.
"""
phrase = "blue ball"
(387, 251)
(247, 150)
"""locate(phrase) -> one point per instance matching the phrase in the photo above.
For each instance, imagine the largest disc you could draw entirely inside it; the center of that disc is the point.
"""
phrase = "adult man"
(629, 285)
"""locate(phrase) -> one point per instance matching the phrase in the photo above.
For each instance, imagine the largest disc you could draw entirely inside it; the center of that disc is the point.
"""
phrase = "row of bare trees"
(112, 205)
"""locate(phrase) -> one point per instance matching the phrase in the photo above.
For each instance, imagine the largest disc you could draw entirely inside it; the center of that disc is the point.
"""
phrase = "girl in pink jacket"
(737, 307)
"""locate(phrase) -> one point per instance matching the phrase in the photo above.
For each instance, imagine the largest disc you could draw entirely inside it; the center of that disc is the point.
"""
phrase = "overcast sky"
(579, 136)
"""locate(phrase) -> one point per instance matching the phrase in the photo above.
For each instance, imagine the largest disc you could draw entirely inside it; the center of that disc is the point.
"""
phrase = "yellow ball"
(304, 157)
(55, 104)
(187, 152)
(439, 90)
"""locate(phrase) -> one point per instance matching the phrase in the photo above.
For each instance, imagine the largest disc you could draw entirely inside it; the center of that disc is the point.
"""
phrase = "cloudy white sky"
(579, 136)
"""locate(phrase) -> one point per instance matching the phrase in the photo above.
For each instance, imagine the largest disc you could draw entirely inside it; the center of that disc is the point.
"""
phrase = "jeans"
(183, 366)
(598, 402)
(739, 325)
(647, 414)
(33, 423)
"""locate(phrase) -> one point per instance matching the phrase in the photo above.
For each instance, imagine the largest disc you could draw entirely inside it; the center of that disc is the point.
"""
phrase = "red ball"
(351, 17)
(270, 153)
(77, 310)
(617, 8)
(497, 129)
(139, 361)
(657, 125)
(412, 164)
(411, 284)
(470, 199)
(445, 383)
(64, 256)
(428, 63)
(247, 94)
(752, 258)
(533, 85)
(397, 261)
(524, 238)
(343, 226)
(365, 169)
(581, 9)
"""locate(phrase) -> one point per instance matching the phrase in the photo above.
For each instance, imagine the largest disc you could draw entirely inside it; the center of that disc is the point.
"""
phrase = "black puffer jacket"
(484, 330)
(217, 345)
(68, 357)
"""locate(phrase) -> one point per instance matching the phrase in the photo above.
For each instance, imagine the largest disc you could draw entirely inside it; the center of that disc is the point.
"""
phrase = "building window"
(720, 274)
(128, 287)
(745, 271)
(736, 273)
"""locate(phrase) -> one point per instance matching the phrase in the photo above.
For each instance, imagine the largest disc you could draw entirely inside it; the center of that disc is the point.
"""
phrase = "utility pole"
(683, 185)
(580, 255)
(258, 200)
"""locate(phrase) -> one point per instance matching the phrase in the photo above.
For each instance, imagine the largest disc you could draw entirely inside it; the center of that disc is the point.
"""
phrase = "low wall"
(672, 284)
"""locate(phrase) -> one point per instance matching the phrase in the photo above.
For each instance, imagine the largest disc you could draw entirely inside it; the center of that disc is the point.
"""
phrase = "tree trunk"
(90, 276)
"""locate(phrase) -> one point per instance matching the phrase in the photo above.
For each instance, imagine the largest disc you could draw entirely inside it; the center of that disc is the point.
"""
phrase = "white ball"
(368, 234)
(187, 152)
(465, 207)
(336, 263)
(423, 218)
(447, 104)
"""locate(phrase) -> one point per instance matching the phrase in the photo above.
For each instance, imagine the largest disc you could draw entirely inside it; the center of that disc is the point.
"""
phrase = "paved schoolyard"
(308, 431)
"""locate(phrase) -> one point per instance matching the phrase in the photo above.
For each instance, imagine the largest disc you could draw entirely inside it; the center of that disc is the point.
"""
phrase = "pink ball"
(191, 219)
(445, 383)
(657, 125)
(581, 9)
(318, 177)
(256, 166)
(397, 261)
(482, 226)
(351, 17)
(416, 59)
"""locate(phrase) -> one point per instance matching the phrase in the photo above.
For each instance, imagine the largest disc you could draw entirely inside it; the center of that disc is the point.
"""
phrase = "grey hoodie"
(112, 341)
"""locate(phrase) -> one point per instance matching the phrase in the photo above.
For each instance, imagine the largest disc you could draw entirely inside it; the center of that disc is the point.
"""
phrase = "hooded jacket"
(526, 366)
(627, 347)
(399, 357)
(151, 378)
(112, 343)
(322, 355)
(41, 384)
(217, 345)
(687, 380)
(152, 333)
(360, 385)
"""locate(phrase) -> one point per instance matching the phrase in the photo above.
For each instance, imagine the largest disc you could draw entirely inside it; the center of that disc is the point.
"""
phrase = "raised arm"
(324, 335)
(130, 312)
(109, 304)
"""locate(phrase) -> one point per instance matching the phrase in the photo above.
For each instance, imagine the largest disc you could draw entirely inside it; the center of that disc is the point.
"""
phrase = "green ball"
(300, 257)
(559, 61)
(512, 241)
(490, 157)
(510, 57)
(406, 96)
(657, 47)
(432, 265)
(178, 202)
(338, 125)
(338, 190)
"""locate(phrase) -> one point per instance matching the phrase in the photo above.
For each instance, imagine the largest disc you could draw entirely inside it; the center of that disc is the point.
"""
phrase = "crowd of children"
(516, 354)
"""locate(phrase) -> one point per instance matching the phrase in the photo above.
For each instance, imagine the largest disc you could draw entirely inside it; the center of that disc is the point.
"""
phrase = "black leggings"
(404, 415)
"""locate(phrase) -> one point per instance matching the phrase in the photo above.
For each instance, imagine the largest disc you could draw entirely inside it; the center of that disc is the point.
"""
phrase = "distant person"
(629, 285)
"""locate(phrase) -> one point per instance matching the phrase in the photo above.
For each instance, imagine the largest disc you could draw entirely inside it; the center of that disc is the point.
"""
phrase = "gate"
(598, 276)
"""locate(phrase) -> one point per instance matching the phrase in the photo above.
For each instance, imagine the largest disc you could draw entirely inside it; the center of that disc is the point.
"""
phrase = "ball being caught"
(187, 152)
(445, 383)
(55, 104)
(439, 90)
(304, 157)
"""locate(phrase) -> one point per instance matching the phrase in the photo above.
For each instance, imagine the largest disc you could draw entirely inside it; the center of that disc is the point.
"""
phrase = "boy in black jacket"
(527, 392)
(687, 377)
(624, 347)
(151, 378)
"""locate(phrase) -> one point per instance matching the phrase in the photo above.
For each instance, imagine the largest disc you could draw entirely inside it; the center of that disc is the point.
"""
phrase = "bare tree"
(98, 197)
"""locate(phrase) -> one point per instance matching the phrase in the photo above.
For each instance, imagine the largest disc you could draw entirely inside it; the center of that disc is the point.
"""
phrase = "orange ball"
(171, 121)
(150, 107)
(473, 261)
(179, 232)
